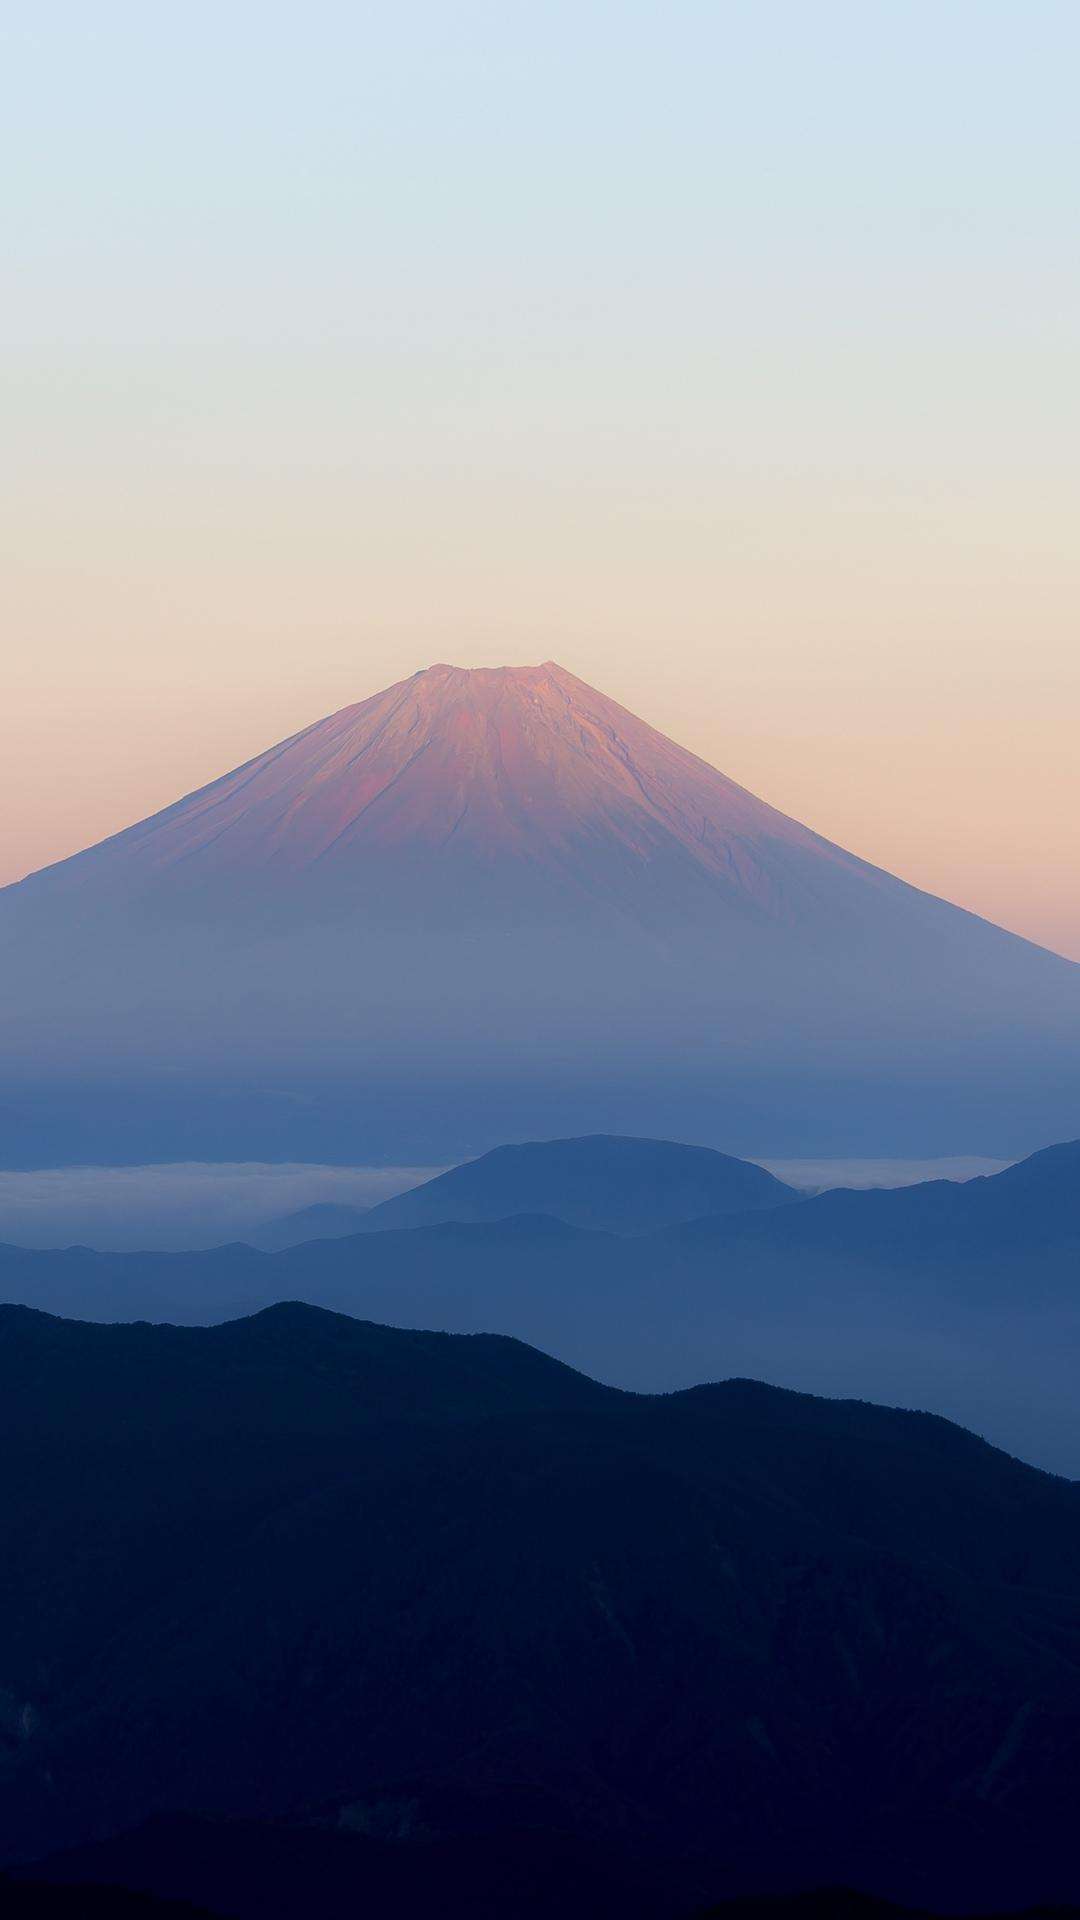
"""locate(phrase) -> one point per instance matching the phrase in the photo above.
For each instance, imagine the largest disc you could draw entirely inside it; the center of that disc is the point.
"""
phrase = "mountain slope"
(1026, 1207)
(609, 1184)
(732, 1638)
(325, 1220)
(493, 903)
(459, 773)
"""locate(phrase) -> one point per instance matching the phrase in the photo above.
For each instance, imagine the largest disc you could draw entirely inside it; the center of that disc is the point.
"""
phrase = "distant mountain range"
(605, 1183)
(963, 1298)
(340, 1583)
(487, 904)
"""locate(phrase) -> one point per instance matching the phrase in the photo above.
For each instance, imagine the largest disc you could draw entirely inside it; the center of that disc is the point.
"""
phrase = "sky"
(725, 353)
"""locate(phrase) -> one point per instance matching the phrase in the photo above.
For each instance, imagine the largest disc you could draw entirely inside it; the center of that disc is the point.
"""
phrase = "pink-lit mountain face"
(497, 883)
(522, 784)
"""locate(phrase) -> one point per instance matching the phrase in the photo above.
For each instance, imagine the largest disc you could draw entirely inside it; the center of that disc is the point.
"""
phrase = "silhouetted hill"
(254, 1871)
(964, 1298)
(428, 1589)
(604, 1182)
(290, 1368)
(278, 1872)
(841, 1903)
(30, 1900)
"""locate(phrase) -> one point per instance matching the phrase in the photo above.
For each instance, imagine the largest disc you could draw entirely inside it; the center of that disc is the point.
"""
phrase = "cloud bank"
(184, 1204)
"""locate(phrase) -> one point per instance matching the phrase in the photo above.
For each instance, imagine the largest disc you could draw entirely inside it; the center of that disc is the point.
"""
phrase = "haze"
(730, 363)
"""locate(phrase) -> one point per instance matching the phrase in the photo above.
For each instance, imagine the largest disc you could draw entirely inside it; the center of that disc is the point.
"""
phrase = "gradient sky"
(725, 353)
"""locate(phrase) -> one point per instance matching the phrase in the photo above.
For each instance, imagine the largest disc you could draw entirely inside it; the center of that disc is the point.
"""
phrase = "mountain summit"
(524, 775)
(490, 902)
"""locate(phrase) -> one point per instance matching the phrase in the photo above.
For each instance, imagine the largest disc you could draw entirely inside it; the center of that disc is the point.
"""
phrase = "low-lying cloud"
(183, 1204)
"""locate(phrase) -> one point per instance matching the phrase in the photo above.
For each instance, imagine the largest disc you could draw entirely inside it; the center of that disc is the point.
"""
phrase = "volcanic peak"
(491, 796)
(485, 765)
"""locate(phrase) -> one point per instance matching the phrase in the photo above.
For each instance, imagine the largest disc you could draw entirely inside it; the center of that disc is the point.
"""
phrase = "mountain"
(1033, 1204)
(606, 1182)
(498, 781)
(346, 1581)
(292, 1368)
(960, 1297)
(263, 1871)
(29, 1900)
(325, 1220)
(489, 904)
(610, 1184)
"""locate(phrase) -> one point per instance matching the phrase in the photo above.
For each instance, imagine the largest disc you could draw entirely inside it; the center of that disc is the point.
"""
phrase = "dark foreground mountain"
(54, 1900)
(491, 904)
(608, 1183)
(964, 1298)
(286, 1872)
(433, 1591)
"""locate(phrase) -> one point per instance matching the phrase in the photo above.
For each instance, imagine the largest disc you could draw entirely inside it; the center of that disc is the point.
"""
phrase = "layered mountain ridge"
(957, 1296)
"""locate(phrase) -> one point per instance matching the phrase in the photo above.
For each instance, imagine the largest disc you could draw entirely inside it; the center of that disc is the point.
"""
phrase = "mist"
(187, 1204)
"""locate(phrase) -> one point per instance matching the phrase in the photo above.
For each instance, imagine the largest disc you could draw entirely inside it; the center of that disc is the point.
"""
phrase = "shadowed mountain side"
(964, 1298)
(841, 1903)
(1025, 1207)
(254, 1871)
(493, 904)
(334, 1575)
(290, 1368)
(604, 1182)
(325, 1220)
(29, 1900)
